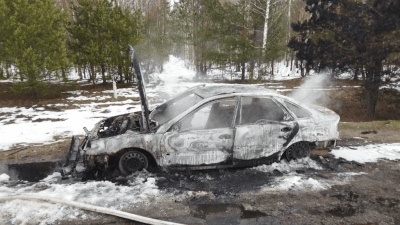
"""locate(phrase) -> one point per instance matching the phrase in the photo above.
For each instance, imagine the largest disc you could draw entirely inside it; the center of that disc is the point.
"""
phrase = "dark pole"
(142, 92)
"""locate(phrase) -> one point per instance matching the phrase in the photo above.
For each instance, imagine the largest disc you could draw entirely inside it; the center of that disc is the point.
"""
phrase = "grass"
(371, 125)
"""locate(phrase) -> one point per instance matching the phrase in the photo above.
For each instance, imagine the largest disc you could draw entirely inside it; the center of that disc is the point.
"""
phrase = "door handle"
(225, 136)
(286, 129)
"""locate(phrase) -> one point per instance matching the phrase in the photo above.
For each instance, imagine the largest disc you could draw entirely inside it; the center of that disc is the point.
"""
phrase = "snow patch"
(4, 178)
(369, 153)
(291, 166)
(140, 189)
(295, 183)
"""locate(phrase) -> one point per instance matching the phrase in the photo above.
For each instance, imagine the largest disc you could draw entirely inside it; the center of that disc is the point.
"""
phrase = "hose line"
(88, 207)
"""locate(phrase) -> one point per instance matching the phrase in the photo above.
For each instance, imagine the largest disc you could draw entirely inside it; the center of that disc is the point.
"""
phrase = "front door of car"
(263, 129)
(203, 137)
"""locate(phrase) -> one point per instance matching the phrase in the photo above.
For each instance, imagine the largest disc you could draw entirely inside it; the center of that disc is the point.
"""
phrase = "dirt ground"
(370, 198)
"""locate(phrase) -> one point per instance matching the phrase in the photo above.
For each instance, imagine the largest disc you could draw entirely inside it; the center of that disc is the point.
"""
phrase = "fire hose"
(88, 207)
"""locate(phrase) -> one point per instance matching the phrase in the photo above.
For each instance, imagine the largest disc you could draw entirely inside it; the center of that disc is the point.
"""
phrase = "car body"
(211, 126)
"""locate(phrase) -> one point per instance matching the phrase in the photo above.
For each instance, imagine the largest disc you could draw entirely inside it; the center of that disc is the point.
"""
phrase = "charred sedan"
(206, 127)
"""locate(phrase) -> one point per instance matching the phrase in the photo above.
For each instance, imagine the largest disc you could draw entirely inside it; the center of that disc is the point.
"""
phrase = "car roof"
(206, 91)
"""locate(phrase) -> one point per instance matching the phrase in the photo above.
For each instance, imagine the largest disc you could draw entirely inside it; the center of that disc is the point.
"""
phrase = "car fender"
(109, 146)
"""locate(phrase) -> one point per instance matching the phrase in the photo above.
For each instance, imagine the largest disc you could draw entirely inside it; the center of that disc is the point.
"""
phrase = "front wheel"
(132, 161)
(297, 151)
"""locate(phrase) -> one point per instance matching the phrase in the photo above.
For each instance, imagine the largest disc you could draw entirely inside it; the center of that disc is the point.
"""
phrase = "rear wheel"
(297, 151)
(132, 161)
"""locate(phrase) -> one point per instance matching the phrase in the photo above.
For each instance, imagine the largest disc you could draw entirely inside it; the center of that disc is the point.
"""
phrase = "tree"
(155, 48)
(346, 34)
(99, 36)
(34, 42)
(5, 34)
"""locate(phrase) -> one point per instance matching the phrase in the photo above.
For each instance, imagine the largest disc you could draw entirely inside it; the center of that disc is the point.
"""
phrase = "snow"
(4, 178)
(295, 183)
(140, 189)
(369, 153)
(285, 166)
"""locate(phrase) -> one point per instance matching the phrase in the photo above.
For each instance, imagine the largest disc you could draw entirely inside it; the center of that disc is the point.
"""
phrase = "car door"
(263, 129)
(202, 137)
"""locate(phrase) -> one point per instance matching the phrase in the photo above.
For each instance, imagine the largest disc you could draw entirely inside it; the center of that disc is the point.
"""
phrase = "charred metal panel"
(307, 129)
(258, 161)
(111, 145)
(198, 147)
(321, 125)
(262, 140)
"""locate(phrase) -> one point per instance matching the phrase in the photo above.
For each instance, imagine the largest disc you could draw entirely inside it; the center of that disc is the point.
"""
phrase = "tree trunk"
(238, 67)
(80, 72)
(265, 33)
(120, 74)
(251, 77)
(63, 75)
(243, 70)
(356, 73)
(372, 83)
(103, 73)
(362, 72)
(272, 68)
(302, 69)
(291, 61)
(92, 73)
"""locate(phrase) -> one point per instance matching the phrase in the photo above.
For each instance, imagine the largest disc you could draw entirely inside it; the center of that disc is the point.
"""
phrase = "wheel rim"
(297, 151)
(132, 162)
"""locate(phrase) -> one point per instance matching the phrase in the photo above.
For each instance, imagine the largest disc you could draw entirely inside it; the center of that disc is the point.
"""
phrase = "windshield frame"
(169, 109)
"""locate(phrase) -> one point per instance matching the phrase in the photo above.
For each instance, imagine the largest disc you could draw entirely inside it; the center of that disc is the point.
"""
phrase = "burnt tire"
(297, 151)
(132, 161)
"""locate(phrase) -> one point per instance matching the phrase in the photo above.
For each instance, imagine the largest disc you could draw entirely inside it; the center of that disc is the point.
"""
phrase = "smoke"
(313, 90)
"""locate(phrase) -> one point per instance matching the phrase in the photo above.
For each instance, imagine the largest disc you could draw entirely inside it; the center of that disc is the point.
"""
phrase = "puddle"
(342, 211)
(388, 202)
(32, 172)
(204, 210)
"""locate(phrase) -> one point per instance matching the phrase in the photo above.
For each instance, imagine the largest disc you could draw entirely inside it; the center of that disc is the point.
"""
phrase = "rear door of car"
(202, 137)
(263, 129)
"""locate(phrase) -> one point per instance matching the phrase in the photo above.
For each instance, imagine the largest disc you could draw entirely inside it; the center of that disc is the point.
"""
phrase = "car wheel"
(132, 161)
(297, 151)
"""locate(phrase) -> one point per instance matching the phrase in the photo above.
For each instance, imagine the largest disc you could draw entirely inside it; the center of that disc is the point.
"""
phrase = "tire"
(132, 161)
(297, 151)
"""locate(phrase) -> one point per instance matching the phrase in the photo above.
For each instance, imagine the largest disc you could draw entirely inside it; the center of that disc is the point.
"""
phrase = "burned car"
(205, 127)
(211, 126)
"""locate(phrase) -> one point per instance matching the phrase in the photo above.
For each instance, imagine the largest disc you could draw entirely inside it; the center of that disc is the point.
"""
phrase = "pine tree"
(345, 34)
(35, 43)
(99, 36)
(5, 33)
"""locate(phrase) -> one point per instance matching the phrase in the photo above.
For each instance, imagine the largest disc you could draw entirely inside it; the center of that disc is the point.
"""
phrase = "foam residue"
(286, 167)
(369, 153)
